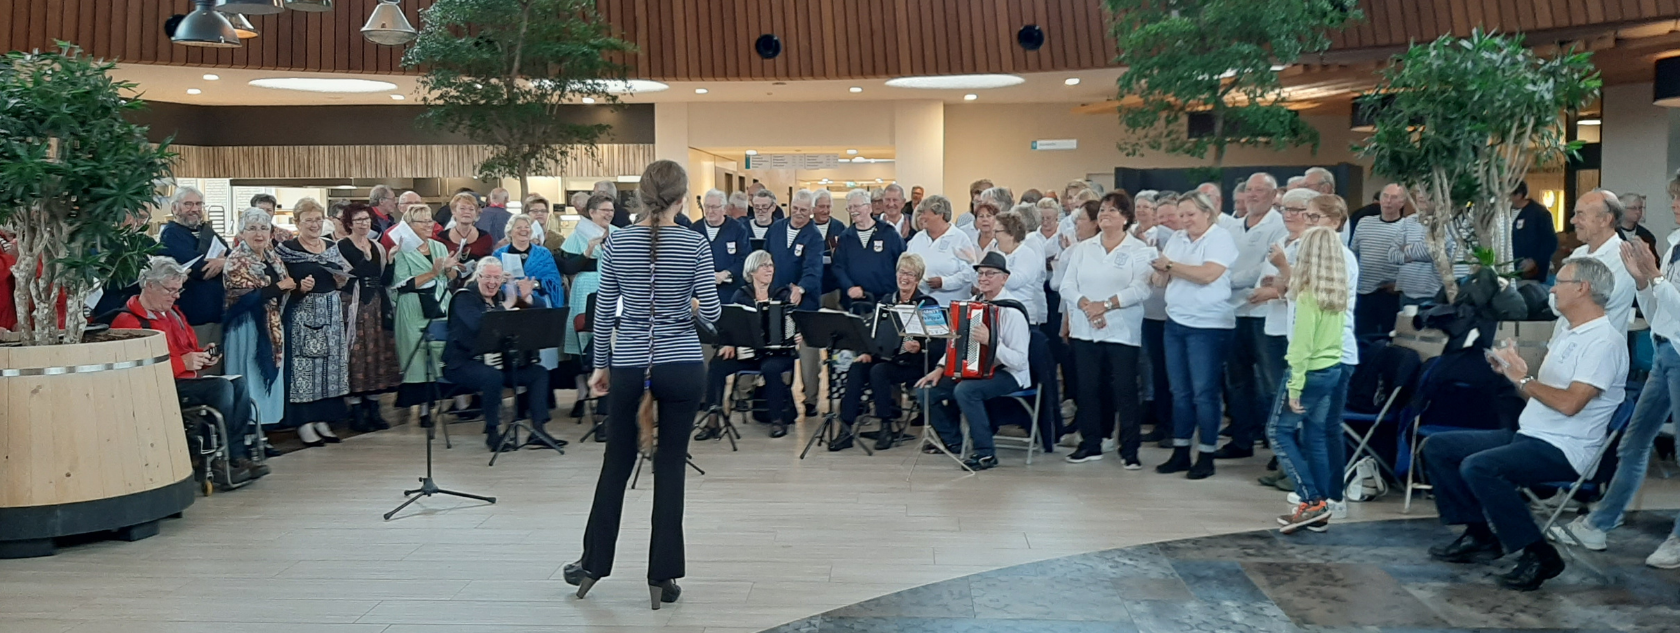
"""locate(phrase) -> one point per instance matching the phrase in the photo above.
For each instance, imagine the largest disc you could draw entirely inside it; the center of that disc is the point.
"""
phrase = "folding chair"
(1029, 399)
(1443, 378)
(1397, 370)
(1618, 423)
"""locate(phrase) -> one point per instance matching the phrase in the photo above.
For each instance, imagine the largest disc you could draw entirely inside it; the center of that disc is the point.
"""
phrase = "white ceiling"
(171, 83)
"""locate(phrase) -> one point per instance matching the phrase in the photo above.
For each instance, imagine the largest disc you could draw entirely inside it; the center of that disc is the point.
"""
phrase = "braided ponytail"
(664, 184)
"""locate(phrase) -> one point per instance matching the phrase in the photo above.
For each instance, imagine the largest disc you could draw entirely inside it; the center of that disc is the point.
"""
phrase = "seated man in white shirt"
(1013, 374)
(1477, 474)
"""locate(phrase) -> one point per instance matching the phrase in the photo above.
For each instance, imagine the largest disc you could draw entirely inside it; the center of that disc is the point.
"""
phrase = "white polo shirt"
(1099, 274)
(1026, 280)
(1620, 309)
(1596, 354)
(1252, 246)
(1205, 306)
(945, 258)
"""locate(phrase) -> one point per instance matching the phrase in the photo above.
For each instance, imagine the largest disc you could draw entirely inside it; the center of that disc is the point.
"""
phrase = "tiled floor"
(1367, 577)
(771, 540)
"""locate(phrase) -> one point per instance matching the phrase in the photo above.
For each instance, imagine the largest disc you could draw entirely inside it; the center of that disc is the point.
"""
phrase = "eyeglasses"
(1296, 210)
(1314, 218)
(174, 292)
(990, 272)
(1569, 281)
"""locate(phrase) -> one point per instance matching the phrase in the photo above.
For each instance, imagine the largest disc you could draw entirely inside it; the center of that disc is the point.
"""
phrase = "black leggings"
(676, 391)
(1109, 386)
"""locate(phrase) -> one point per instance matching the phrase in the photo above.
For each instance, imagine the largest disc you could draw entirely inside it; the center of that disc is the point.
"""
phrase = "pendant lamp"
(251, 7)
(312, 6)
(388, 26)
(204, 27)
(242, 26)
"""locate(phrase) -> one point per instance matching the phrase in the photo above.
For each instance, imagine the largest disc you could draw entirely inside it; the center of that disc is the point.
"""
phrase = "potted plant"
(91, 438)
(1463, 121)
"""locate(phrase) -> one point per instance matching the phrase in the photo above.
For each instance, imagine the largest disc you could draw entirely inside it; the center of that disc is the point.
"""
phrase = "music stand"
(428, 486)
(935, 327)
(738, 327)
(516, 334)
(835, 331)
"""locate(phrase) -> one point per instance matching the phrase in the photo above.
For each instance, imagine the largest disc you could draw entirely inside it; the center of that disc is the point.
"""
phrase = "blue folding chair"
(1397, 372)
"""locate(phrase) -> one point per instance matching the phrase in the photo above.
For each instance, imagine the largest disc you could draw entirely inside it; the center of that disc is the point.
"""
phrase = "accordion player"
(999, 366)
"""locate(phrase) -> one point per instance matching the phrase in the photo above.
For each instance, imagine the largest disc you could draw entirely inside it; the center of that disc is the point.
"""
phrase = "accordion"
(778, 324)
(968, 356)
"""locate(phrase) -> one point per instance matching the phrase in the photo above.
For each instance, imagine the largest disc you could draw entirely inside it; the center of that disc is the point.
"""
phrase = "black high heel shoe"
(665, 592)
(576, 576)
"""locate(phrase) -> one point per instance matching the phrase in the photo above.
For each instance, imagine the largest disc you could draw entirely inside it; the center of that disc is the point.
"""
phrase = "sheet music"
(404, 237)
(908, 323)
(217, 249)
(513, 266)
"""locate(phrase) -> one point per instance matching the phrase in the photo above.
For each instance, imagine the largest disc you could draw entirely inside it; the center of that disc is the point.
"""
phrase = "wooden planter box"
(91, 440)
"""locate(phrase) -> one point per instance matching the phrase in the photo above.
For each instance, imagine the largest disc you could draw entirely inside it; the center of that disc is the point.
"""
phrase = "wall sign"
(1056, 144)
(793, 161)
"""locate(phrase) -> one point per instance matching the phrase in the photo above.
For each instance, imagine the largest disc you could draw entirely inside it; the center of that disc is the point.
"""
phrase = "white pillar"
(1636, 138)
(670, 132)
(919, 145)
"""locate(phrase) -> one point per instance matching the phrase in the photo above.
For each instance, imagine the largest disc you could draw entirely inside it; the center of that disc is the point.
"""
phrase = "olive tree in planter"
(90, 438)
(73, 170)
(1462, 122)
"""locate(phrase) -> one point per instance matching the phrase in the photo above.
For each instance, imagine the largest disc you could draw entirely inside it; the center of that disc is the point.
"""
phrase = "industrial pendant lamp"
(251, 7)
(388, 25)
(242, 26)
(312, 6)
(204, 27)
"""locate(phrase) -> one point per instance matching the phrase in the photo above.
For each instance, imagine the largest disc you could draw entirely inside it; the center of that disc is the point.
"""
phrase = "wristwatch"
(1108, 305)
(1523, 384)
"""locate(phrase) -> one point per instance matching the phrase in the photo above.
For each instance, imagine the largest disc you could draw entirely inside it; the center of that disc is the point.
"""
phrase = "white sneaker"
(1667, 555)
(1109, 445)
(307, 434)
(1338, 510)
(1579, 531)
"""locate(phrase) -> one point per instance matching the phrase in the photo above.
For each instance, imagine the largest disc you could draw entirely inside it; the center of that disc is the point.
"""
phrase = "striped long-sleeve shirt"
(627, 334)
(1371, 241)
(1417, 277)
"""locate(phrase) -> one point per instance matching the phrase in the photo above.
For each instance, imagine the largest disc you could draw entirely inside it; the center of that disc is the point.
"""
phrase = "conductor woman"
(658, 272)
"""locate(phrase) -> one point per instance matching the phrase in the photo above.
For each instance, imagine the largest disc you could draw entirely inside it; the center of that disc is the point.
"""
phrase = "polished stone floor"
(1369, 577)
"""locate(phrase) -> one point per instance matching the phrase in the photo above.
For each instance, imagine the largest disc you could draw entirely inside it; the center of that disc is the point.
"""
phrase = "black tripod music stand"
(835, 331)
(738, 327)
(516, 335)
(428, 486)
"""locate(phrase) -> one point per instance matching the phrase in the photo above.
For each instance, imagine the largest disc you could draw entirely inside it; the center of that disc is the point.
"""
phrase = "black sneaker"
(778, 430)
(1082, 455)
(841, 443)
(981, 462)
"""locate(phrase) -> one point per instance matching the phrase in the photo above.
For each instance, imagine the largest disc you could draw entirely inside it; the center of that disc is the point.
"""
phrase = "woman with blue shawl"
(525, 258)
(257, 282)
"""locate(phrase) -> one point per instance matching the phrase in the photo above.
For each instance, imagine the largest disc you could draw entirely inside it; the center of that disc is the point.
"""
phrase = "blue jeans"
(1252, 377)
(1656, 402)
(1195, 366)
(1307, 459)
(1477, 475)
(1338, 448)
(970, 397)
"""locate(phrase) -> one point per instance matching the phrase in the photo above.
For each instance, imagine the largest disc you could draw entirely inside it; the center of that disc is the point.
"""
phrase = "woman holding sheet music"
(422, 269)
(657, 286)
(772, 364)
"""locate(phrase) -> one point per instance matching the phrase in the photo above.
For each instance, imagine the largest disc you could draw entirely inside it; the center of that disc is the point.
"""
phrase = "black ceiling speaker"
(768, 46)
(1030, 37)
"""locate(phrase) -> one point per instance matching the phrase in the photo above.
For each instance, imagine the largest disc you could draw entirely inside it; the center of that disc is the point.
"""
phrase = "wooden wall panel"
(822, 39)
(381, 161)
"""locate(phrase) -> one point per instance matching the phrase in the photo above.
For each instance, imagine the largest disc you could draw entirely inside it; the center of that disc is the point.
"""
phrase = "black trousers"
(1155, 344)
(778, 394)
(1374, 313)
(881, 378)
(487, 382)
(229, 398)
(676, 390)
(1108, 386)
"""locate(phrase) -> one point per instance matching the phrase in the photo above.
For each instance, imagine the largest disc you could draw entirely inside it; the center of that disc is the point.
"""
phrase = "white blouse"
(950, 258)
(1026, 280)
(1098, 274)
(1205, 306)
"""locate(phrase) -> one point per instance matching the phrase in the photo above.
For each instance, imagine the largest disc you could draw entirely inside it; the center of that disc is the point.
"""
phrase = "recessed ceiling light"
(878, 180)
(752, 152)
(397, 97)
(194, 91)
(589, 100)
(344, 186)
(851, 152)
(212, 77)
(956, 82)
(630, 86)
(701, 91)
(1590, 122)
(856, 89)
(322, 84)
(970, 97)
(1072, 81)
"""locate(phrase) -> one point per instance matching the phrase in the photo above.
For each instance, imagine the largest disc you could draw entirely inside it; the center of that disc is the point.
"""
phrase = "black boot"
(1476, 545)
(1539, 562)
(1180, 461)
(358, 419)
(375, 419)
(1203, 468)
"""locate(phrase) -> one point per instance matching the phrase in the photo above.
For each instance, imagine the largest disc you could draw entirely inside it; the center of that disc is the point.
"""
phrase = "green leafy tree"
(1465, 120)
(1219, 57)
(499, 71)
(74, 175)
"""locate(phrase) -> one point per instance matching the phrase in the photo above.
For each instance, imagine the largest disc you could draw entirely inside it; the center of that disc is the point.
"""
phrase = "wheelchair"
(207, 447)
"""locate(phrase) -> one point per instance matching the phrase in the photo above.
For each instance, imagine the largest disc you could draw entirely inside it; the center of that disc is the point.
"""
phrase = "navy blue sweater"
(874, 267)
(835, 227)
(729, 252)
(201, 299)
(1532, 237)
(800, 264)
